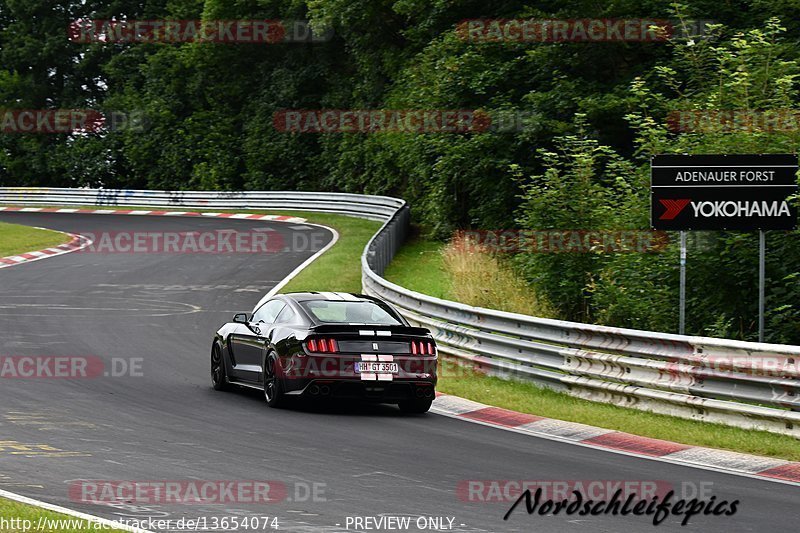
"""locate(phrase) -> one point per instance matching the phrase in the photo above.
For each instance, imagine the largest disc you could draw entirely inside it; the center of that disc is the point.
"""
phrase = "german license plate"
(377, 367)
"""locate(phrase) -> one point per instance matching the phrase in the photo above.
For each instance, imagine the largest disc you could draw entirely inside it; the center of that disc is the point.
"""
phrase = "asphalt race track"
(166, 423)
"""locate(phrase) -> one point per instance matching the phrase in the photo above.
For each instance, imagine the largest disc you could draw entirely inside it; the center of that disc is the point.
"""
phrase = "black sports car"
(327, 345)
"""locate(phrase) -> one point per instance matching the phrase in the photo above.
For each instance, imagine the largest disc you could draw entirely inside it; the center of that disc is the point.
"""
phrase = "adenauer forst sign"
(723, 192)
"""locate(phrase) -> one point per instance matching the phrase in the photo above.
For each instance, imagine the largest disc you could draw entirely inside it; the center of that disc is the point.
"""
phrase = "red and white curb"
(76, 243)
(79, 241)
(242, 216)
(767, 468)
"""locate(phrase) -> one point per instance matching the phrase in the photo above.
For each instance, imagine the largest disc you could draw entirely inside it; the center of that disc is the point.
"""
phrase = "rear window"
(350, 312)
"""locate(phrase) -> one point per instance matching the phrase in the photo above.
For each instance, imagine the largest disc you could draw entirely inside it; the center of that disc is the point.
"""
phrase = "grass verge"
(16, 239)
(21, 517)
(338, 269)
(419, 266)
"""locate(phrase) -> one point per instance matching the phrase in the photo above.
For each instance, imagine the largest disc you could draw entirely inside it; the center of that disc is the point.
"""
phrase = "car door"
(248, 342)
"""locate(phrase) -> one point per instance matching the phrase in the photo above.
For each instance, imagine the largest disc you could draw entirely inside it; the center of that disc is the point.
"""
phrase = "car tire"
(273, 384)
(416, 406)
(219, 377)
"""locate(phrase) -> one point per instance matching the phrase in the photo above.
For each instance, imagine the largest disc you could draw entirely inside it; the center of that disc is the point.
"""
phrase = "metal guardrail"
(360, 205)
(744, 384)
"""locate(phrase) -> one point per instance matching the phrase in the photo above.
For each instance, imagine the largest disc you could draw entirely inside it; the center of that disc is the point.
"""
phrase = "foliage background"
(599, 113)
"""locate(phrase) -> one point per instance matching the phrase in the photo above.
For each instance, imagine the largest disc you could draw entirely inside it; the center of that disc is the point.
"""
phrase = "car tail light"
(323, 345)
(422, 348)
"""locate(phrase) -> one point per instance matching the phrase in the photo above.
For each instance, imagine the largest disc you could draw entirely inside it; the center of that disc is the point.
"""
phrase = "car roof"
(331, 296)
(314, 295)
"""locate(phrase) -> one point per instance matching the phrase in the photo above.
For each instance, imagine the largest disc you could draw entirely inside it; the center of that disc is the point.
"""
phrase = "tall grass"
(482, 278)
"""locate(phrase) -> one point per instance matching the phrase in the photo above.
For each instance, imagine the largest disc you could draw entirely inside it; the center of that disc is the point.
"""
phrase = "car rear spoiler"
(369, 330)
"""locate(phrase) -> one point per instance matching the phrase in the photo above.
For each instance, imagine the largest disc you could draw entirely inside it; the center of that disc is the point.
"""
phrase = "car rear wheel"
(219, 379)
(417, 406)
(273, 385)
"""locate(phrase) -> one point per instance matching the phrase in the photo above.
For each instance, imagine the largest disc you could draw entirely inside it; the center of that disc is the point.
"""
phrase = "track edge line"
(69, 512)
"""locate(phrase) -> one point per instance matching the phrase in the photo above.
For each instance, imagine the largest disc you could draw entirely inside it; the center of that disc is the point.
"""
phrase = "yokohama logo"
(673, 208)
(709, 209)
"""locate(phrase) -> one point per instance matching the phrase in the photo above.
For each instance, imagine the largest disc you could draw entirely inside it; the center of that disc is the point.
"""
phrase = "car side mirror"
(240, 318)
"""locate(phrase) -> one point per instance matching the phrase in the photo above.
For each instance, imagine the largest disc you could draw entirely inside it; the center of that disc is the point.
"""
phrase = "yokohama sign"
(718, 209)
(719, 192)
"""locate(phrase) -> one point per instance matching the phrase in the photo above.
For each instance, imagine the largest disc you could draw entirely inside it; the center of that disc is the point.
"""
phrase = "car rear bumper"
(336, 376)
(371, 391)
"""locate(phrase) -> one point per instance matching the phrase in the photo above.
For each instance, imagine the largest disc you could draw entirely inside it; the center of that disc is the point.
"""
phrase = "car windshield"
(362, 312)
